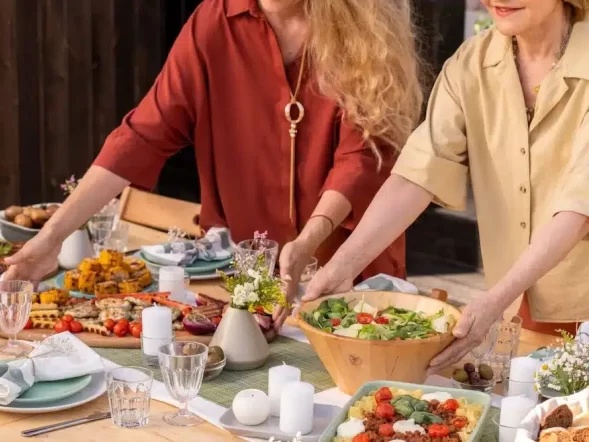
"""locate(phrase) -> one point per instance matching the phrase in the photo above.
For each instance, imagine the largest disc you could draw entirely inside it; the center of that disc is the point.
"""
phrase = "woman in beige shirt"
(510, 109)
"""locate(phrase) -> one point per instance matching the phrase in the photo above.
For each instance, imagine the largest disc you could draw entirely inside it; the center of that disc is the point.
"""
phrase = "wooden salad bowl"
(352, 362)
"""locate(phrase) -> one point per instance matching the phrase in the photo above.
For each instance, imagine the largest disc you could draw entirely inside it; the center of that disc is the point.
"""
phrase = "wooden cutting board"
(95, 340)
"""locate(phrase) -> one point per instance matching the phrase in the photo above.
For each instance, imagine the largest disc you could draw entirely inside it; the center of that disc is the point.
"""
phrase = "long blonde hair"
(581, 8)
(363, 55)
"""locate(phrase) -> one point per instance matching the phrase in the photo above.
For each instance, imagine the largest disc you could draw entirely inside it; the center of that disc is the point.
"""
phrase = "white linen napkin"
(583, 333)
(216, 245)
(388, 283)
(61, 356)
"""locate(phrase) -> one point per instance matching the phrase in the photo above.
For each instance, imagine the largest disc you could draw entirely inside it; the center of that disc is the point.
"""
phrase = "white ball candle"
(296, 408)
(278, 377)
(251, 407)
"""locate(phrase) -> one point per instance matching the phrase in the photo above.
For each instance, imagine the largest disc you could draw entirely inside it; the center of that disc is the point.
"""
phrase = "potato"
(12, 211)
(50, 210)
(23, 220)
(27, 211)
(39, 216)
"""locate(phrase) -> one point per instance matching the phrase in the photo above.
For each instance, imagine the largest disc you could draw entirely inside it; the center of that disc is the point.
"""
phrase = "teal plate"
(199, 267)
(60, 283)
(45, 392)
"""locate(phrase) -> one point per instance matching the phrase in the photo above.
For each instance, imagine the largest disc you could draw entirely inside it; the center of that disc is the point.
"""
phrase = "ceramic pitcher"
(241, 339)
(74, 249)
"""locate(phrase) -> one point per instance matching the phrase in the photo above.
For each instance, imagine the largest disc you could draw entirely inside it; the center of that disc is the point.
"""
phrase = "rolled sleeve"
(163, 121)
(573, 191)
(436, 155)
(355, 172)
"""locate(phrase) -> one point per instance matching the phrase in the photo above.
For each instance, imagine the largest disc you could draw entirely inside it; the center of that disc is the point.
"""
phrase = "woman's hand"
(330, 279)
(470, 331)
(35, 260)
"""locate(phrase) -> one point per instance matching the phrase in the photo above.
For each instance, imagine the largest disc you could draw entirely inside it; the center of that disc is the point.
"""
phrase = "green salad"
(363, 321)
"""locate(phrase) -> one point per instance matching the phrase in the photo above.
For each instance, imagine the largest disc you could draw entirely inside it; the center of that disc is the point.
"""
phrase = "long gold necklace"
(530, 110)
(292, 131)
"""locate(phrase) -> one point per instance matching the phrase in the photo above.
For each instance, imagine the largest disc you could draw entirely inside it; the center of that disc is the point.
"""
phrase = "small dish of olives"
(472, 378)
(215, 364)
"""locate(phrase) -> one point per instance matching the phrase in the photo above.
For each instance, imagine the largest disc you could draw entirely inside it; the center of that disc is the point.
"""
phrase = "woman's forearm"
(548, 248)
(395, 207)
(96, 189)
(333, 207)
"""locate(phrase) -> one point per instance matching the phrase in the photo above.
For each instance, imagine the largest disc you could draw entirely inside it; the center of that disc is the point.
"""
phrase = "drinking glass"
(250, 250)
(119, 237)
(306, 276)
(182, 365)
(506, 345)
(129, 394)
(15, 306)
(100, 232)
(481, 352)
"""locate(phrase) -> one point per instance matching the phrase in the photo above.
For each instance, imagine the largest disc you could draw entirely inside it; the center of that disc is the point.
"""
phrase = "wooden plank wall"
(69, 71)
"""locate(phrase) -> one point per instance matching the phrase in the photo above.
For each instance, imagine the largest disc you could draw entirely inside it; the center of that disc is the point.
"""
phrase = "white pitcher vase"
(74, 249)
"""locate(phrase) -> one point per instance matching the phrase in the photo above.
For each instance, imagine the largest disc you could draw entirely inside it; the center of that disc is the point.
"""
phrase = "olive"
(460, 375)
(469, 368)
(486, 372)
(474, 378)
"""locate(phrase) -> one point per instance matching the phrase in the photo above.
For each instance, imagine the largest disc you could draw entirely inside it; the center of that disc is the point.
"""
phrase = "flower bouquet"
(568, 371)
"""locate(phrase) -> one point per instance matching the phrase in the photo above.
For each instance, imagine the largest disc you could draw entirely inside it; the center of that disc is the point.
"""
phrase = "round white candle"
(157, 322)
(296, 408)
(251, 407)
(514, 409)
(171, 279)
(278, 377)
(523, 368)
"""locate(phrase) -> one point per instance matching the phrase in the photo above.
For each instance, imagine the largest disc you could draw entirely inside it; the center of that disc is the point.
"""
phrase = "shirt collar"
(575, 62)
(238, 7)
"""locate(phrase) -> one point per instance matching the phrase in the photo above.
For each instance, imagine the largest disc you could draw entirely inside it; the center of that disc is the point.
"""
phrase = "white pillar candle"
(507, 434)
(523, 369)
(157, 326)
(296, 408)
(251, 407)
(278, 377)
(514, 409)
(526, 389)
(171, 279)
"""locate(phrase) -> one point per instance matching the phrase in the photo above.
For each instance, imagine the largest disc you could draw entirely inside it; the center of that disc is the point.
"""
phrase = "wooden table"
(11, 425)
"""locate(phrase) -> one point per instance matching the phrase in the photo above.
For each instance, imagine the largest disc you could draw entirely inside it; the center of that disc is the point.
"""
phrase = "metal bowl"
(214, 370)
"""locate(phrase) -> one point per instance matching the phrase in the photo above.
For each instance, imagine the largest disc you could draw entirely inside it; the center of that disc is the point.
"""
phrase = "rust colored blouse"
(223, 88)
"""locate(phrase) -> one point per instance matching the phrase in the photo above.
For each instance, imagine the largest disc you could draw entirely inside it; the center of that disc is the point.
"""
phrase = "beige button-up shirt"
(522, 175)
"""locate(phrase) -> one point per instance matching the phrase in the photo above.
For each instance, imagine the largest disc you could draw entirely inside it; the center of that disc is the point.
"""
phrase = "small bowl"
(484, 386)
(214, 370)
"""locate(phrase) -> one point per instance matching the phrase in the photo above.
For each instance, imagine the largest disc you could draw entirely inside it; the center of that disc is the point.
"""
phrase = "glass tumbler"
(100, 232)
(506, 346)
(129, 395)
(182, 365)
(119, 237)
(251, 249)
(15, 305)
(306, 276)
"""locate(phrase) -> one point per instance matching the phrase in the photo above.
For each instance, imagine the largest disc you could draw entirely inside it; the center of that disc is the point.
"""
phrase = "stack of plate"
(201, 270)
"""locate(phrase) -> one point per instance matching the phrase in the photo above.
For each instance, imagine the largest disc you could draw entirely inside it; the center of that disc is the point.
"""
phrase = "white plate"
(213, 275)
(94, 390)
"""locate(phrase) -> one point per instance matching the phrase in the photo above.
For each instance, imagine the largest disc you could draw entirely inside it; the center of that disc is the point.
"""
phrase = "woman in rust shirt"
(348, 71)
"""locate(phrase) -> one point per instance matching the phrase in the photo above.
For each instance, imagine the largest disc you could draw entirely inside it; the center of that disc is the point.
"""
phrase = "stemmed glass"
(182, 365)
(482, 351)
(15, 307)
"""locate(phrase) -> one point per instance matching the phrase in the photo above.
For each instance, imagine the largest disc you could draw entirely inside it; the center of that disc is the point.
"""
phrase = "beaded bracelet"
(326, 217)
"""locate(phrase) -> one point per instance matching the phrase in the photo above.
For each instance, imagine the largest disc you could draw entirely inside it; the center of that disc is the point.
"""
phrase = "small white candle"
(514, 409)
(278, 377)
(296, 408)
(157, 326)
(527, 389)
(523, 368)
(171, 279)
(251, 407)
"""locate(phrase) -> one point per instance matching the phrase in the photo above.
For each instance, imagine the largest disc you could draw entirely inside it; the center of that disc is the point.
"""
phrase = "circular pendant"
(288, 112)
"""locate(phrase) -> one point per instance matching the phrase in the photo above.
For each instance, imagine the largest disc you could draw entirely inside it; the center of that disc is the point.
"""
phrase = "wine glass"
(182, 365)
(15, 307)
(482, 350)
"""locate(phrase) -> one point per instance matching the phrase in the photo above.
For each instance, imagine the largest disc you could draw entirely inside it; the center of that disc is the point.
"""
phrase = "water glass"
(119, 237)
(308, 273)
(250, 250)
(129, 395)
(182, 365)
(100, 232)
(519, 388)
(15, 306)
(506, 345)
(482, 351)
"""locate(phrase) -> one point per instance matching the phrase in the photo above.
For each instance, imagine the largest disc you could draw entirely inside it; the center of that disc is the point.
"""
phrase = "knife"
(60, 426)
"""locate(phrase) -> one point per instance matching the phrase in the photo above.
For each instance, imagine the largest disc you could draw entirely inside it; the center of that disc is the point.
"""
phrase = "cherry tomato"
(438, 430)
(61, 326)
(364, 318)
(136, 330)
(125, 322)
(132, 324)
(29, 324)
(216, 320)
(384, 410)
(76, 326)
(381, 320)
(460, 422)
(362, 437)
(109, 324)
(68, 318)
(385, 430)
(335, 321)
(121, 329)
(383, 395)
(450, 405)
